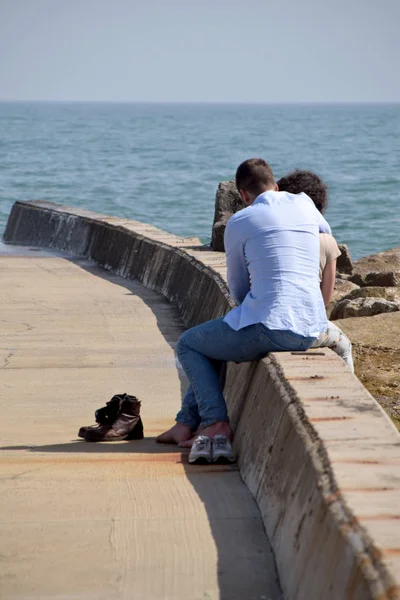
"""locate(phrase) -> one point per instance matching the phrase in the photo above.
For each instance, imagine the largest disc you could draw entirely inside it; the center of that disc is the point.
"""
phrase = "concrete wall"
(315, 449)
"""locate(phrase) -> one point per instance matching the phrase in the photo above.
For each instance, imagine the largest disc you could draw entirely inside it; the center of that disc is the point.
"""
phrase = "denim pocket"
(273, 344)
(255, 348)
(288, 341)
(259, 347)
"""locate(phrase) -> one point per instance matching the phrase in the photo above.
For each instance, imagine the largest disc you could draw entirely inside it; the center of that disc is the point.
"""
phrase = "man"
(272, 251)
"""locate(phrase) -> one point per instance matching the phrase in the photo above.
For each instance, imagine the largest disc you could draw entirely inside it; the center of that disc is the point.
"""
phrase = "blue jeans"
(198, 348)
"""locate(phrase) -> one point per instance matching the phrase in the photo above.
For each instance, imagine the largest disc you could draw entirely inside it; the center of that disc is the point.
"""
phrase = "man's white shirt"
(272, 255)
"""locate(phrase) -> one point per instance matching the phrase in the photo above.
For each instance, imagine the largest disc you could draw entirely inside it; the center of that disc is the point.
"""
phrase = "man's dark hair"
(308, 182)
(255, 176)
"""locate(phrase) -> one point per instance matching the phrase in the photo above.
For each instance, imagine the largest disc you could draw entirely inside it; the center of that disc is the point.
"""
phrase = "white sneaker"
(201, 450)
(222, 450)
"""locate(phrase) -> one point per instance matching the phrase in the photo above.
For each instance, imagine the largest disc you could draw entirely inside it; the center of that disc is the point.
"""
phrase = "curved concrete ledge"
(315, 449)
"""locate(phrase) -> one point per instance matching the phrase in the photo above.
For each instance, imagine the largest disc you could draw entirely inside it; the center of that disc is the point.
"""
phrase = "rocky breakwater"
(365, 304)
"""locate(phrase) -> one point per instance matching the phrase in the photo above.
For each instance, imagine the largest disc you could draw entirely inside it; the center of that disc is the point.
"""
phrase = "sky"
(263, 51)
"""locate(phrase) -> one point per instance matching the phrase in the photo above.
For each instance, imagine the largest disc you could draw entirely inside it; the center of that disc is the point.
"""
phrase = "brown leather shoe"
(127, 425)
(108, 414)
(83, 430)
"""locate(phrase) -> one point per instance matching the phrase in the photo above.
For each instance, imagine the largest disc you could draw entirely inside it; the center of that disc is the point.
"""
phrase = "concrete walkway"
(127, 520)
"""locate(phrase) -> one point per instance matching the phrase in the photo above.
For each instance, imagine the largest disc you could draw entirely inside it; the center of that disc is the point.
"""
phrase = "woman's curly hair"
(308, 182)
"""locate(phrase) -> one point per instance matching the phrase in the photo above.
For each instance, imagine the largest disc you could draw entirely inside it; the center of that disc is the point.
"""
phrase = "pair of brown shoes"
(118, 420)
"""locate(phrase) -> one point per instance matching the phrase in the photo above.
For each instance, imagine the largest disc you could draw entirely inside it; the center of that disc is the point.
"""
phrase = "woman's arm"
(328, 282)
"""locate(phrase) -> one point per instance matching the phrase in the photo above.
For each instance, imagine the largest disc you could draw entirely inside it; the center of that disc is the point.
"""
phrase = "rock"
(227, 202)
(344, 296)
(381, 331)
(383, 262)
(363, 307)
(357, 279)
(342, 288)
(381, 279)
(386, 279)
(343, 263)
(385, 293)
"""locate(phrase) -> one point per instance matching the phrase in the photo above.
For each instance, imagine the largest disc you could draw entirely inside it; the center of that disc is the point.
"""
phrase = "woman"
(308, 182)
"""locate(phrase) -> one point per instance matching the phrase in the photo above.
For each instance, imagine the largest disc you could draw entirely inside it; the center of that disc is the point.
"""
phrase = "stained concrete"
(126, 520)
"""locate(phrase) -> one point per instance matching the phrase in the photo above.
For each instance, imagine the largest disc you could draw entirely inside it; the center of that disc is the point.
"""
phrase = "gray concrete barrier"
(320, 456)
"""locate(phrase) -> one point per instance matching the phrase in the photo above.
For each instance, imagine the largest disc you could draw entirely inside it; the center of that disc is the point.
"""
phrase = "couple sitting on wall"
(280, 256)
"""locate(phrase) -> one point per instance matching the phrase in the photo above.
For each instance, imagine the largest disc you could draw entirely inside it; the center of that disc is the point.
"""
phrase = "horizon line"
(208, 102)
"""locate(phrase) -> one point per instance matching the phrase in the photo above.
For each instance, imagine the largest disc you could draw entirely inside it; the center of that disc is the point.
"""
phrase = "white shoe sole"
(200, 460)
(224, 460)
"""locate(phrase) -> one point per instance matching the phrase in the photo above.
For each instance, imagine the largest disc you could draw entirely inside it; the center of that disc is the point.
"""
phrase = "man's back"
(272, 252)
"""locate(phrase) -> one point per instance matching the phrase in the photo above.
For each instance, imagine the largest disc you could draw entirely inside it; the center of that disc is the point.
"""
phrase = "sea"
(162, 163)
